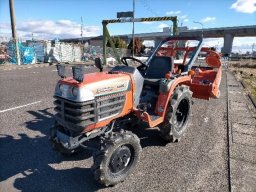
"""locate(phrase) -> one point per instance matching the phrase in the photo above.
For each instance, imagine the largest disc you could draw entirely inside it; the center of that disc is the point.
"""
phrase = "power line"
(146, 5)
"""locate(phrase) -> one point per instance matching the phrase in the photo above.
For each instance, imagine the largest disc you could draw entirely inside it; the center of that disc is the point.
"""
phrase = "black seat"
(157, 69)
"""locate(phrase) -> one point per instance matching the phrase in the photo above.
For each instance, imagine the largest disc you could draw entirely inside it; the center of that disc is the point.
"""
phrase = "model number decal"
(114, 87)
(103, 90)
(121, 86)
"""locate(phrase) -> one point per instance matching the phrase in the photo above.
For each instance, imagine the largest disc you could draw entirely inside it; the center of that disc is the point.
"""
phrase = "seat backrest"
(158, 67)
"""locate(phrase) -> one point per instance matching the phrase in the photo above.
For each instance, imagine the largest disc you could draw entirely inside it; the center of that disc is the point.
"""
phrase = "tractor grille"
(76, 116)
(110, 105)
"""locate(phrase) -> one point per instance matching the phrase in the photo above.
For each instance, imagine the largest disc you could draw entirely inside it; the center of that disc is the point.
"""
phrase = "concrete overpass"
(228, 33)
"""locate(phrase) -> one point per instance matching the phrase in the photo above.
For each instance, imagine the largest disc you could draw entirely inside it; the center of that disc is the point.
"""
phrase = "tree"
(118, 43)
(138, 46)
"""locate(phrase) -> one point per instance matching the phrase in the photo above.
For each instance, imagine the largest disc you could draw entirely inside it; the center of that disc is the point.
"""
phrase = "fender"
(216, 84)
(166, 92)
(165, 95)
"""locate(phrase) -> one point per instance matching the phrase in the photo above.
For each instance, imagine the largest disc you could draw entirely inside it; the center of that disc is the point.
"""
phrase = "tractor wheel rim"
(120, 160)
(181, 114)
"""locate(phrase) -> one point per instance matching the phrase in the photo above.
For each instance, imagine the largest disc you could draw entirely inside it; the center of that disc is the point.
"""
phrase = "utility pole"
(82, 28)
(82, 41)
(201, 26)
(252, 53)
(14, 36)
(133, 28)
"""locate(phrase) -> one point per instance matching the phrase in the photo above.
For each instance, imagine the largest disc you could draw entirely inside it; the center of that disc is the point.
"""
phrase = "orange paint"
(203, 82)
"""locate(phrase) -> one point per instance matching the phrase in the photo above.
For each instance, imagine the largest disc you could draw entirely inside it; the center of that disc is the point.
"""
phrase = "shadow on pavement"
(31, 159)
(148, 136)
(42, 121)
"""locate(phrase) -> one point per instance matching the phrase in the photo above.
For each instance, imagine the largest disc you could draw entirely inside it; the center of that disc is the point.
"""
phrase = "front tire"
(177, 114)
(118, 156)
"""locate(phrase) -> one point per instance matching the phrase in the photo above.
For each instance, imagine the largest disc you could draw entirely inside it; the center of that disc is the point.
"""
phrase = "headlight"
(61, 87)
(75, 91)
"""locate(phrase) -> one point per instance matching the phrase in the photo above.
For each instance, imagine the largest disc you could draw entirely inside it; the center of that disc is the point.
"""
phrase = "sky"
(50, 19)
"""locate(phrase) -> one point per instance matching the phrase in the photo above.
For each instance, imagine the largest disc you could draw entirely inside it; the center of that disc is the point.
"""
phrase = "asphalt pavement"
(199, 162)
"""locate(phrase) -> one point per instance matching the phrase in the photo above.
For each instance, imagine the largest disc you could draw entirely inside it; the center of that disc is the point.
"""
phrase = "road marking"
(13, 108)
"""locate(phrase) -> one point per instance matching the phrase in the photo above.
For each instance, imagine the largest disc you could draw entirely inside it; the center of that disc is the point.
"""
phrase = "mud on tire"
(116, 159)
(177, 114)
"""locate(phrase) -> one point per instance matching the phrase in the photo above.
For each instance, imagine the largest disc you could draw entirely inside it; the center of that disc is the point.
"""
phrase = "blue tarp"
(27, 54)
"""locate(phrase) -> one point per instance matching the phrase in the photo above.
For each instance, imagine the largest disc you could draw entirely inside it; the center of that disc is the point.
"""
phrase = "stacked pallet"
(64, 52)
(40, 51)
(77, 53)
(11, 51)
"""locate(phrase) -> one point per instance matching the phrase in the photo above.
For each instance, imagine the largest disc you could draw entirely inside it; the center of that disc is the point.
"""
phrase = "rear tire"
(118, 156)
(177, 114)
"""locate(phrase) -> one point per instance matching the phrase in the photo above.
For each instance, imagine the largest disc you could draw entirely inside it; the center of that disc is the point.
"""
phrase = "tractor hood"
(93, 85)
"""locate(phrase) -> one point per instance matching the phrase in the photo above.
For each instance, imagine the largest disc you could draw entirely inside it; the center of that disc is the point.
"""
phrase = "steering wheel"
(143, 65)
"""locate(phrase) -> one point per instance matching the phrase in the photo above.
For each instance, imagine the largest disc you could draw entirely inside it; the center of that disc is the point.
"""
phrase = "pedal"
(143, 107)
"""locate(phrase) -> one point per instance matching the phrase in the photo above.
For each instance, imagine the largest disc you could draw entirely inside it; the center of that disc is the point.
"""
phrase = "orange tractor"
(99, 106)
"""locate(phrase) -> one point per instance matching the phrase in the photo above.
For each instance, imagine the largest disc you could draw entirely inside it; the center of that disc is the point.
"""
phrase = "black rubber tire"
(58, 146)
(175, 122)
(102, 169)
